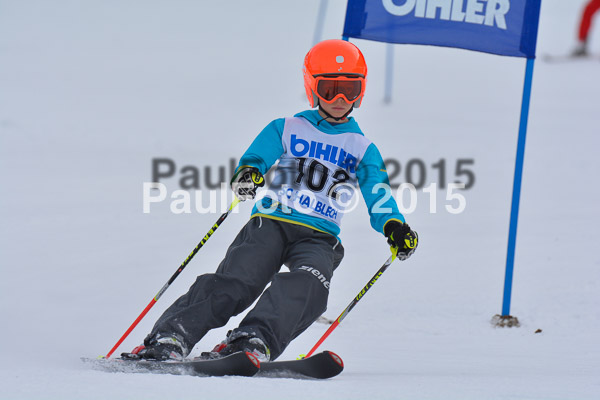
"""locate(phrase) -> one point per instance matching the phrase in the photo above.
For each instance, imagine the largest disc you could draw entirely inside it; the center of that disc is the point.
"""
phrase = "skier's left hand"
(401, 238)
(246, 181)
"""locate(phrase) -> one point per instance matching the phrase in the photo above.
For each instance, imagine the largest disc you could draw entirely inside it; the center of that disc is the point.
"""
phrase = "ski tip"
(338, 360)
(253, 359)
(323, 365)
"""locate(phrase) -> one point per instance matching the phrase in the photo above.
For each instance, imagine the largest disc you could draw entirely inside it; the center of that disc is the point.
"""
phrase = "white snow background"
(92, 91)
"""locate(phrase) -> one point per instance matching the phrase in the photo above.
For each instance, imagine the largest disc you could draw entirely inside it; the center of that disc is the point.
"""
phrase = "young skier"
(322, 156)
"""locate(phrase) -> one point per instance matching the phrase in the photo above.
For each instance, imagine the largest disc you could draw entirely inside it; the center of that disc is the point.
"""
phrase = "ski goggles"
(330, 88)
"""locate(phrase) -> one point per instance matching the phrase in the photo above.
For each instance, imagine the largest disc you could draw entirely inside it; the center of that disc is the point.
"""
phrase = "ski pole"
(212, 230)
(352, 303)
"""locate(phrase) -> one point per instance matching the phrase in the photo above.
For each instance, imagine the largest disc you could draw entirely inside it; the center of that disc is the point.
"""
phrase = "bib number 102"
(315, 176)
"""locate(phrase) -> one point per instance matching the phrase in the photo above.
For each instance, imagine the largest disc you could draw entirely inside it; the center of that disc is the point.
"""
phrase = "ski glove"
(246, 181)
(401, 238)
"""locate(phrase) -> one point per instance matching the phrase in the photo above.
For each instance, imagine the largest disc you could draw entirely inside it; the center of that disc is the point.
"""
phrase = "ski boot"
(237, 342)
(158, 349)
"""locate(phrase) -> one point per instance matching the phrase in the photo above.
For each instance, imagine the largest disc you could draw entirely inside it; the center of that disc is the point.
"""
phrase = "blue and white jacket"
(319, 166)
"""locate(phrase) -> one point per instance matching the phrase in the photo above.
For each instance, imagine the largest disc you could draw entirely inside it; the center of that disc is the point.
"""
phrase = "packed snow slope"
(91, 92)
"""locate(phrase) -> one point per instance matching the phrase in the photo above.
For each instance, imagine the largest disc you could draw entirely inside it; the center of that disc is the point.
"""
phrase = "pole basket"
(505, 321)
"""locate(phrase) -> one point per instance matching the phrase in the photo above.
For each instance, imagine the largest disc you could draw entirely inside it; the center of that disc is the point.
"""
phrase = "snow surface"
(91, 91)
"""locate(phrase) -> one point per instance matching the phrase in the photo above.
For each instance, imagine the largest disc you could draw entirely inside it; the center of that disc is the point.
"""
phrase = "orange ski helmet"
(332, 69)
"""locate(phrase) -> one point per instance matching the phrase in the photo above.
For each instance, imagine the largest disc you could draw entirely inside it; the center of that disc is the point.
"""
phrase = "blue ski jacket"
(311, 156)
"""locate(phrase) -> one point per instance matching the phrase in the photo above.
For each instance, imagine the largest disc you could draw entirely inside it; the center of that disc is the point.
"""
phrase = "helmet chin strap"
(331, 116)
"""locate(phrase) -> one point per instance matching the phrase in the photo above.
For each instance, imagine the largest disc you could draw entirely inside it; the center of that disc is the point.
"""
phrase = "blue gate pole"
(389, 73)
(514, 211)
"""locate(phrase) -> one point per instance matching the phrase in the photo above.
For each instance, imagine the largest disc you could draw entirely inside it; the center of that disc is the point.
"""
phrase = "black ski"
(241, 364)
(320, 366)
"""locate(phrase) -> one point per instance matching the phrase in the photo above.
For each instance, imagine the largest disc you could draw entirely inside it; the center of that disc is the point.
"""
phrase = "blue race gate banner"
(503, 27)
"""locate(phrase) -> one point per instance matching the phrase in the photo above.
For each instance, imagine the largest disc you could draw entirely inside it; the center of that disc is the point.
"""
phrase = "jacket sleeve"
(266, 148)
(375, 187)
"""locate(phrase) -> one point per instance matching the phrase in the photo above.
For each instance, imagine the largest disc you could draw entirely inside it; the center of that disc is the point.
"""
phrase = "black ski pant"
(293, 301)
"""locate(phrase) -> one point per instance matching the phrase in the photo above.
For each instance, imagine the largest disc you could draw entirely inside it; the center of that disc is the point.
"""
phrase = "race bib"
(316, 175)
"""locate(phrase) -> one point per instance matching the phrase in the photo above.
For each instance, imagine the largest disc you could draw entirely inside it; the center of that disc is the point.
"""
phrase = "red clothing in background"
(586, 19)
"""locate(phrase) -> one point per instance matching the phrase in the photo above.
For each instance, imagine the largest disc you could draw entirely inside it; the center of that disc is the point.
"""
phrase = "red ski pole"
(352, 304)
(212, 230)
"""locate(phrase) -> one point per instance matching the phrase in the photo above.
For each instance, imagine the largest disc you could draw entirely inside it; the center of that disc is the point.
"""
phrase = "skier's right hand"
(246, 181)
(401, 238)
